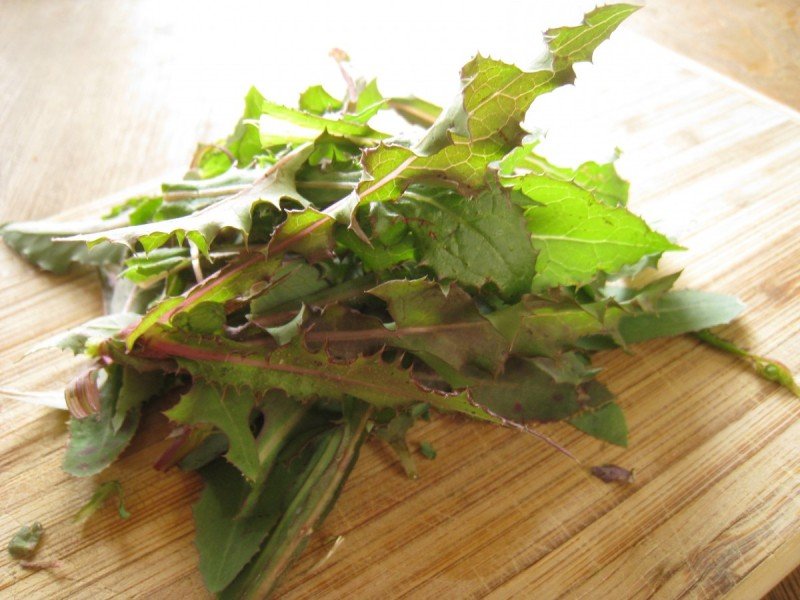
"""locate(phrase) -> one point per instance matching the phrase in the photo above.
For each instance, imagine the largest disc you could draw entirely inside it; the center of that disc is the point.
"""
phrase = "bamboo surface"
(715, 508)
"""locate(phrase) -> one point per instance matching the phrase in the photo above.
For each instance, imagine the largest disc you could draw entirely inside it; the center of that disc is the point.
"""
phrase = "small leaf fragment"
(427, 450)
(609, 473)
(24, 543)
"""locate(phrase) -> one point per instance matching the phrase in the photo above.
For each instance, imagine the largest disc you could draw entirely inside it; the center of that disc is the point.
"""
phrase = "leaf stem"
(769, 369)
(331, 465)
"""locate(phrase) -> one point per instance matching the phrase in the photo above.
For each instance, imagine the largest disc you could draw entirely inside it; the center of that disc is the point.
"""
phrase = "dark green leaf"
(227, 409)
(94, 443)
(473, 241)
(607, 423)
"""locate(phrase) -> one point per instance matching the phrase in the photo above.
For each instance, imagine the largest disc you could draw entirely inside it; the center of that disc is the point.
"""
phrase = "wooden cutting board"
(715, 507)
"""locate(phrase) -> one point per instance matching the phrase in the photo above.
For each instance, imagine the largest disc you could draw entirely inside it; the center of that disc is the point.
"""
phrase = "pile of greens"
(314, 281)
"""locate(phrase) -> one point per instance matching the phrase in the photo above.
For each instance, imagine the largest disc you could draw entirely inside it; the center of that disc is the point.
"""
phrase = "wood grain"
(497, 514)
(753, 41)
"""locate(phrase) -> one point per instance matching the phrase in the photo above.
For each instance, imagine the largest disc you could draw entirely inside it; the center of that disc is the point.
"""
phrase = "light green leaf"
(537, 327)
(157, 264)
(577, 236)
(601, 180)
(317, 101)
(281, 125)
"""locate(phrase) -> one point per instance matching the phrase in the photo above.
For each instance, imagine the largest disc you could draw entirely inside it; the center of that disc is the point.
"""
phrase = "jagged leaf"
(473, 241)
(600, 179)
(228, 407)
(203, 226)
(446, 326)
(226, 543)
(577, 237)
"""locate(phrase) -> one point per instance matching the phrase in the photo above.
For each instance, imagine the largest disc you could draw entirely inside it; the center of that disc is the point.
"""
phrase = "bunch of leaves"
(313, 281)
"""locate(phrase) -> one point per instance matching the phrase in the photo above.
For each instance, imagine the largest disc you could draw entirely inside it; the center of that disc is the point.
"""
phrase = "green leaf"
(680, 312)
(91, 332)
(524, 392)
(25, 541)
(306, 374)
(203, 226)
(446, 326)
(577, 237)
(204, 318)
(415, 110)
(99, 498)
(282, 125)
(538, 327)
(473, 241)
(34, 241)
(390, 169)
(291, 284)
(369, 102)
(606, 423)
(307, 232)
(601, 180)
(137, 388)
(226, 544)
(228, 409)
(94, 443)
(427, 450)
(486, 122)
(234, 281)
(317, 101)
(144, 268)
(307, 501)
(569, 45)
(245, 142)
